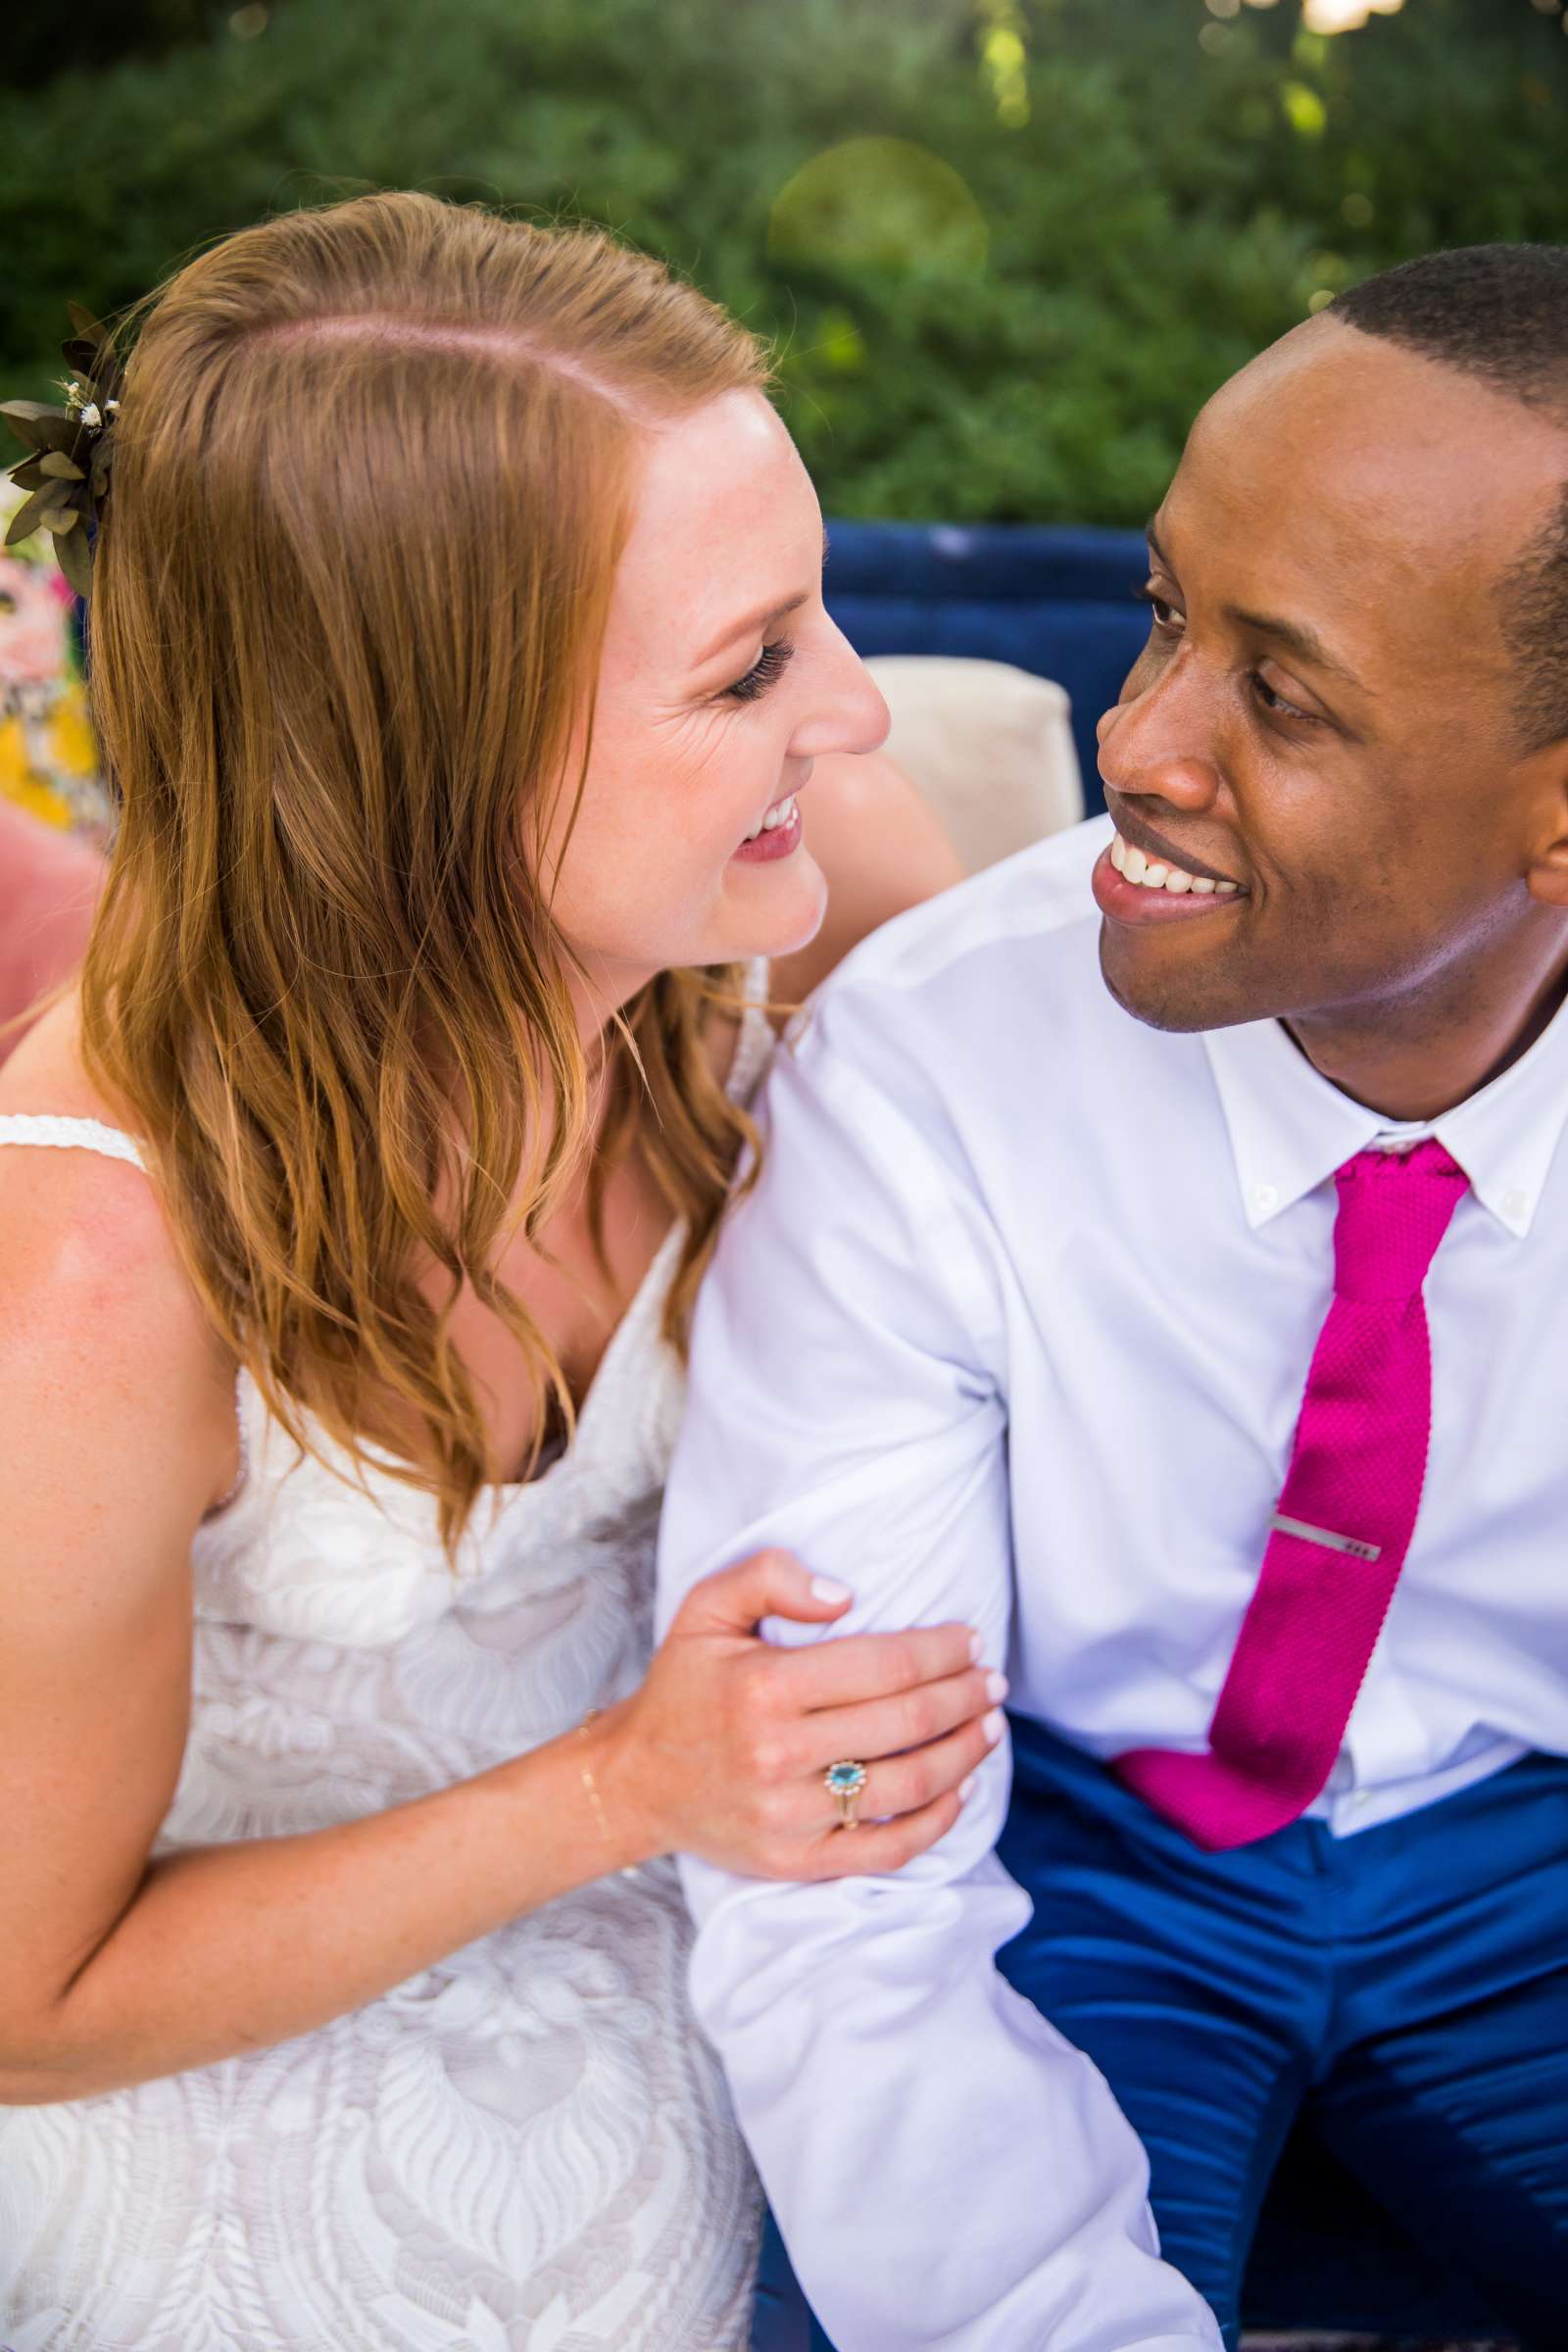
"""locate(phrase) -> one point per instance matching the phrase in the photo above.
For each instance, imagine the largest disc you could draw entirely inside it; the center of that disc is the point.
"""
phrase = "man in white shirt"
(1051, 1312)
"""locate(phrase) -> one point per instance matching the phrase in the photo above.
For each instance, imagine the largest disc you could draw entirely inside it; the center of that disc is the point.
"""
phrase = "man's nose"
(1159, 744)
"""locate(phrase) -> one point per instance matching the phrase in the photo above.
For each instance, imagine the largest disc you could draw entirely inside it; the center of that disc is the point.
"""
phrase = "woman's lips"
(778, 842)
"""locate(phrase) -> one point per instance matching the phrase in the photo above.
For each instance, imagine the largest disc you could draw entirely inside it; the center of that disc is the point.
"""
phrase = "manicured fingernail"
(995, 1686)
(976, 1645)
(828, 1588)
(966, 1790)
(991, 1726)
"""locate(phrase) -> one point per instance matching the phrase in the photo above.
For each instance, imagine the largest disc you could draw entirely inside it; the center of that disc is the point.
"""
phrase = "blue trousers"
(1405, 1990)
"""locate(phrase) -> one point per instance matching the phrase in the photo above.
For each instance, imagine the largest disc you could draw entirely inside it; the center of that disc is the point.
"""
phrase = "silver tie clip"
(1280, 1525)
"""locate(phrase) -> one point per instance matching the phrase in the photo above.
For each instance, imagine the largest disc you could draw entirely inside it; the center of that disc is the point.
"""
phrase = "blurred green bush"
(1006, 247)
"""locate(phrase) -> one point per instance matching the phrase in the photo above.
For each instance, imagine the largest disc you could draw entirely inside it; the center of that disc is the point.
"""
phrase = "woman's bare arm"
(115, 1434)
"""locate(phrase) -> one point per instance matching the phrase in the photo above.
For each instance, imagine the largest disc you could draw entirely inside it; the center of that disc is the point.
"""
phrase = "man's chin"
(1179, 1001)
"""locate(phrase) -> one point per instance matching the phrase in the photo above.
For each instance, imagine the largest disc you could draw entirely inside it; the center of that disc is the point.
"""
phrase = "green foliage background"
(1006, 247)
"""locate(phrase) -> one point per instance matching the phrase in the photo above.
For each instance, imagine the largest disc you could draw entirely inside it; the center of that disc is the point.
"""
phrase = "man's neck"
(1421, 1059)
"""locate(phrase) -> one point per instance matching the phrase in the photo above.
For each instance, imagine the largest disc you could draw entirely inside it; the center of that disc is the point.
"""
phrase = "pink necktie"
(1344, 1524)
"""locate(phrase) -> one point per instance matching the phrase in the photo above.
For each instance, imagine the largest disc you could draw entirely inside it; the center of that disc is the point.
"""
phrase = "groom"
(1162, 1261)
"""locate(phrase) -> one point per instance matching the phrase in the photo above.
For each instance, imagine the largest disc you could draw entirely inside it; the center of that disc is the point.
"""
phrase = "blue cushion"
(1059, 602)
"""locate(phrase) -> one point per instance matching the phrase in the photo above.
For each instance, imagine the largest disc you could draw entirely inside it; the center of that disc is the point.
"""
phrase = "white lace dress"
(526, 2148)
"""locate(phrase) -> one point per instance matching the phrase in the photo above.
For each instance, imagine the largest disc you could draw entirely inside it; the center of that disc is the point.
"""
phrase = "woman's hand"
(721, 1752)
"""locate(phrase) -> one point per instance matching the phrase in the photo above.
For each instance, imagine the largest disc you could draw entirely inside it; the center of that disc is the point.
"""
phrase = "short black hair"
(1499, 313)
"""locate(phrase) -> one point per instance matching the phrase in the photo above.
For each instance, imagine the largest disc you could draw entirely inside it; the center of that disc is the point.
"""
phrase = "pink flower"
(32, 649)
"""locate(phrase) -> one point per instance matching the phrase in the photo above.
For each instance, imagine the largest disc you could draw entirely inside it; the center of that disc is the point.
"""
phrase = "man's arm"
(947, 2171)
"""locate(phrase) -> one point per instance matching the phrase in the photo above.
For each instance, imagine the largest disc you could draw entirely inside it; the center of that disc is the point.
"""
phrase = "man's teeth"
(781, 814)
(1148, 873)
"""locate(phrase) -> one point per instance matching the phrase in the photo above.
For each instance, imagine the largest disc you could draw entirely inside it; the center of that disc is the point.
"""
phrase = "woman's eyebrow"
(753, 624)
(756, 623)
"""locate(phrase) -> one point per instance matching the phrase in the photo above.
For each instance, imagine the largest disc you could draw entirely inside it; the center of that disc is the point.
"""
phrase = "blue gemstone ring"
(844, 1783)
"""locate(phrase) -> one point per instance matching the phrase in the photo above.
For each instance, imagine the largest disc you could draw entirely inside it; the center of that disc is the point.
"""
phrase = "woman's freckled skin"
(726, 525)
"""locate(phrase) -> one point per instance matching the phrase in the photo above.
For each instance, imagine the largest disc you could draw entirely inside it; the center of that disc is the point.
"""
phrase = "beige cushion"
(988, 746)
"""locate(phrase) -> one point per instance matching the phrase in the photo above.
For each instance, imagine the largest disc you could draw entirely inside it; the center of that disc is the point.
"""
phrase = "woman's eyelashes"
(768, 668)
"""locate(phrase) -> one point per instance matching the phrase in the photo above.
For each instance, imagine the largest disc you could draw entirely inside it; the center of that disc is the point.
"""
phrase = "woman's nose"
(853, 718)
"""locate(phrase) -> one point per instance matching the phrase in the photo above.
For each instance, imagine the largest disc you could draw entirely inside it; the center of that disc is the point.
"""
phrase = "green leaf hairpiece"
(69, 451)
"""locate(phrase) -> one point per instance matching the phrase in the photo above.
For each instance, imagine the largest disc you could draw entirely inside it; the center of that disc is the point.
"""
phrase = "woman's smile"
(777, 835)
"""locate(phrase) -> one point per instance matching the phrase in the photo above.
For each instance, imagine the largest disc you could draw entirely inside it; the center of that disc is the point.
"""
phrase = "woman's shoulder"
(882, 850)
(48, 1104)
(46, 1072)
(94, 1298)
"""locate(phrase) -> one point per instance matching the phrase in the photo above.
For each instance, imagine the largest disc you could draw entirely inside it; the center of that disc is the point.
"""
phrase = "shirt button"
(1265, 1197)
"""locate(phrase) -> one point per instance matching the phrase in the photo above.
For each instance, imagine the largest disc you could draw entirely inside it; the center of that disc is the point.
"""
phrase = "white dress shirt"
(1015, 1330)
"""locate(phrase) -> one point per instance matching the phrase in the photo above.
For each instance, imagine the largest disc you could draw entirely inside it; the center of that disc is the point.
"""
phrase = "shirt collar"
(1289, 1129)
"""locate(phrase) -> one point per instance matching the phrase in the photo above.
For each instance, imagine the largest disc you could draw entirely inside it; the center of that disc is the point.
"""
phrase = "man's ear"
(1547, 877)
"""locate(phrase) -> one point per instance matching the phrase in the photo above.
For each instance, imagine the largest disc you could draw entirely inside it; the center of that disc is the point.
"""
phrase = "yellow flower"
(72, 748)
(14, 766)
(22, 783)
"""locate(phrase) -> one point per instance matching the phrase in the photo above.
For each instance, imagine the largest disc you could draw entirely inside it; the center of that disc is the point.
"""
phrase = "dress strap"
(69, 1135)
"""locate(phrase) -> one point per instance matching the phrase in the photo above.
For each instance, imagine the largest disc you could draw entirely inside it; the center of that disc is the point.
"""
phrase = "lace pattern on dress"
(526, 2148)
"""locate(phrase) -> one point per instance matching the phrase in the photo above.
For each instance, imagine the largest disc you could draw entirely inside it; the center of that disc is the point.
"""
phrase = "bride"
(459, 653)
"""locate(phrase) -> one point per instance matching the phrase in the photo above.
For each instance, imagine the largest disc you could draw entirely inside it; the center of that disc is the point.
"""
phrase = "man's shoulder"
(1032, 915)
(976, 1036)
(994, 985)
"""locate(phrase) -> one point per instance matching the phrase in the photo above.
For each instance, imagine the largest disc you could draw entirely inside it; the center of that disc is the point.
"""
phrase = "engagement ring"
(845, 1782)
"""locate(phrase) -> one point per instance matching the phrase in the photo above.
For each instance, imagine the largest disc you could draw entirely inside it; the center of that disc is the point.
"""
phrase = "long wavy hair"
(373, 471)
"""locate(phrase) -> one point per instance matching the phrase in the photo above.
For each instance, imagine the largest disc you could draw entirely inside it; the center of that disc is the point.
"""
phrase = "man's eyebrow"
(1297, 638)
(1294, 635)
(756, 624)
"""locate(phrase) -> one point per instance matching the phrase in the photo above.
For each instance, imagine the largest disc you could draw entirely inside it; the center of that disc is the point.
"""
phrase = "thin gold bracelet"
(591, 1784)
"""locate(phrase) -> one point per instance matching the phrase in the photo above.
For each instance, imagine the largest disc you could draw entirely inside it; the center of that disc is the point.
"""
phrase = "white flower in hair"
(69, 453)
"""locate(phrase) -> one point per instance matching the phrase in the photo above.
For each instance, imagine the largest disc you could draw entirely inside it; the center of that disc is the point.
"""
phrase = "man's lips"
(1157, 849)
(1129, 904)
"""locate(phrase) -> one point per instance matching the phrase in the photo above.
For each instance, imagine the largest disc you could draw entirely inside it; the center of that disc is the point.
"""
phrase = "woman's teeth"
(781, 814)
(1150, 874)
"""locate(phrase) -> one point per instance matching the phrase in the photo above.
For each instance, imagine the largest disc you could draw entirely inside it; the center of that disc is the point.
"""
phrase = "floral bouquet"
(48, 758)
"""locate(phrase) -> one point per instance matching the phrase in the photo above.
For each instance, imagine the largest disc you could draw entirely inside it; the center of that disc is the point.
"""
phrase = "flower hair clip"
(69, 451)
